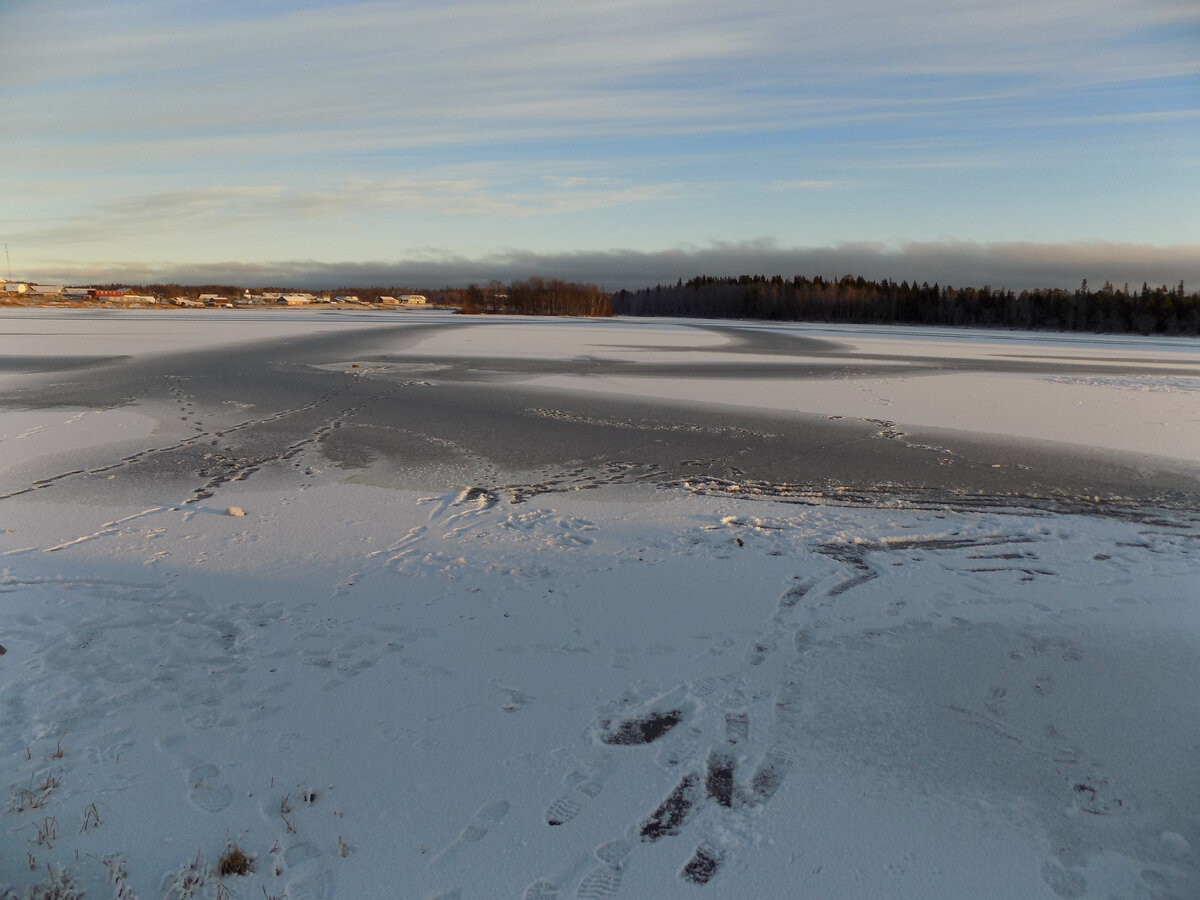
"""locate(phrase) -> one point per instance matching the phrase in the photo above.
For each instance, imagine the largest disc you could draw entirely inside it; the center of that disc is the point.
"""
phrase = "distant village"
(533, 296)
(21, 293)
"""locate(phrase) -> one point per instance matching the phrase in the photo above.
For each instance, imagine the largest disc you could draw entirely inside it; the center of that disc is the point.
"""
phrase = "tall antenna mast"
(7, 261)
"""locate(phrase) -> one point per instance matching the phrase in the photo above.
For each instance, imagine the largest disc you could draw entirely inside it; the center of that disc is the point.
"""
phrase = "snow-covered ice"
(429, 662)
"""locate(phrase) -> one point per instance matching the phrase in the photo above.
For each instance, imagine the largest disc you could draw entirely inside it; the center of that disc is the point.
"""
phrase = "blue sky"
(618, 141)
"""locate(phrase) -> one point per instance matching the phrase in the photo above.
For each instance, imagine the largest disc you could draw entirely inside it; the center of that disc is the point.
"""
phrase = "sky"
(1018, 143)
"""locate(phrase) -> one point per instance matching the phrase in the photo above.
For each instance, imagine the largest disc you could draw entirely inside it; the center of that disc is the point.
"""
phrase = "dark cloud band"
(1017, 266)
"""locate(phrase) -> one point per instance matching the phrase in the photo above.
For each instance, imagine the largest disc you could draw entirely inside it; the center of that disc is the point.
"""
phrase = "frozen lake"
(616, 608)
(441, 401)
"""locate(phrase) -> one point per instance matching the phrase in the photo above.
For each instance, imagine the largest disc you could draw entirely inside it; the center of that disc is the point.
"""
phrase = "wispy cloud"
(503, 66)
(169, 116)
(811, 185)
(228, 207)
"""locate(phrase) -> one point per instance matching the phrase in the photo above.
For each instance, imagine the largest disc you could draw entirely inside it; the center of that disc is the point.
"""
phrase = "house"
(295, 299)
(24, 288)
(388, 301)
(413, 299)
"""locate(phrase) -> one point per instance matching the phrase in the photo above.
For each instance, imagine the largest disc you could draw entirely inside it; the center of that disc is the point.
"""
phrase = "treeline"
(1159, 310)
(533, 297)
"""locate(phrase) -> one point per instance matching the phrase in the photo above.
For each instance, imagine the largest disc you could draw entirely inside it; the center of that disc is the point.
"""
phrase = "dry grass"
(34, 797)
(285, 810)
(234, 862)
(91, 818)
(46, 832)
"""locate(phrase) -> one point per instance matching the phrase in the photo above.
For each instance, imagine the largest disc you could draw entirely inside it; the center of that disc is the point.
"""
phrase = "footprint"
(202, 721)
(541, 890)
(681, 749)
(737, 728)
(562, 810)
(513, 699)
(718, 777)
(669, 816)
(486, 817)
(207, 791)
(769, 775)
(703, 865)
(760, 648)
(169, 743)
(603, 881)
(639, 730)
(613, 852)
(311, 886)
(794, 596)
(298, 853)
(586, 783)
(1070, 885)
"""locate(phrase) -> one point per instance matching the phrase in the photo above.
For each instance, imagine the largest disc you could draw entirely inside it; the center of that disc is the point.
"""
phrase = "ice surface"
(423, 666)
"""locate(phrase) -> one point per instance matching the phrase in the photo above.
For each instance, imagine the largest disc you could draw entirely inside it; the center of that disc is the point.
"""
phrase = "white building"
(22, 287)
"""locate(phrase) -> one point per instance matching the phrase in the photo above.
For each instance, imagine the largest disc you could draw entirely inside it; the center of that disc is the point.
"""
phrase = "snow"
(1147, 413)
(607, 689)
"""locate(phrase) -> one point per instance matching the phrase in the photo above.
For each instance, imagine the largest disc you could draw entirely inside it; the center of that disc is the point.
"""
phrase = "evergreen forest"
(1158, 310)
